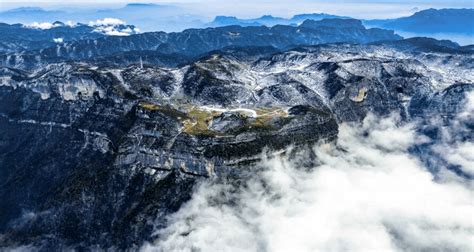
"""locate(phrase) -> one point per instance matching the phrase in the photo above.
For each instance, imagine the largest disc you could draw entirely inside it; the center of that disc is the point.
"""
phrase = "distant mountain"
(148, 17)
(439, 24)
(228, 20)
(25, 10)
(431, 21)
(333, 23)
(194, 42)
(314, 16)
(268, 20)
(27, 15)
(19, 37)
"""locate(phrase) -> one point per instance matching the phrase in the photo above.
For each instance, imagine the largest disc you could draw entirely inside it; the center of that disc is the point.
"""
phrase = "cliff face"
(114, 147)
(92, 155)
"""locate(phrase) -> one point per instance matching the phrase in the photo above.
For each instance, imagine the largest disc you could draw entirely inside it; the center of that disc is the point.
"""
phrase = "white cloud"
(367, 194)
(113, 31)
(58, 40)
(71, 23)
(47, 25)
(42, 26)
(106, 22)
(113, 27)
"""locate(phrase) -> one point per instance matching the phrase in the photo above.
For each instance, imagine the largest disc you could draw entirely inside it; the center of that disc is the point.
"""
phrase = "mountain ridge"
(269, 20)
(193, 42)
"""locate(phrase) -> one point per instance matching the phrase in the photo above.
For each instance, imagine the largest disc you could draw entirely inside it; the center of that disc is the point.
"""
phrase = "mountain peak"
(224, 18)
(267, 17)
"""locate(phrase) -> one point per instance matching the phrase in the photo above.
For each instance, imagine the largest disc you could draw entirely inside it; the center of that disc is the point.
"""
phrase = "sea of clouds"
(367, 192)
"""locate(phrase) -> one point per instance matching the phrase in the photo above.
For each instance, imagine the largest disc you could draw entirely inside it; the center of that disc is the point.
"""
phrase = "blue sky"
(253, 8)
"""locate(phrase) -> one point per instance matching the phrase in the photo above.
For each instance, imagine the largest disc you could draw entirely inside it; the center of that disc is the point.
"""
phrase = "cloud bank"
(367, 193)
(113, 27)
(106, 22)
(41, 25)
(107, 26)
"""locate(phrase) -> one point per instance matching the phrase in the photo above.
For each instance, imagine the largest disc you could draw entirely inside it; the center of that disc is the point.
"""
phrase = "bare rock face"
(91, 153)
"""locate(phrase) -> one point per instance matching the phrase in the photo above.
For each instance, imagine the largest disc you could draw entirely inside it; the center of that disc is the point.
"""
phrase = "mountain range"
(170, 18)
(268, 20)
(148, 17)
(442, 23)
(19, 37)
(194, 42)
(422, 22)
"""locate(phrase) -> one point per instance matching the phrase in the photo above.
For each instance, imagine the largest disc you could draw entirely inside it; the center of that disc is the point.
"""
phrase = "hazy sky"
(253, 8)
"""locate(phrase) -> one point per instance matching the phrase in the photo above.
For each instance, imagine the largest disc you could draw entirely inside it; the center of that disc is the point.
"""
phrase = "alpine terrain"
(107, 134)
